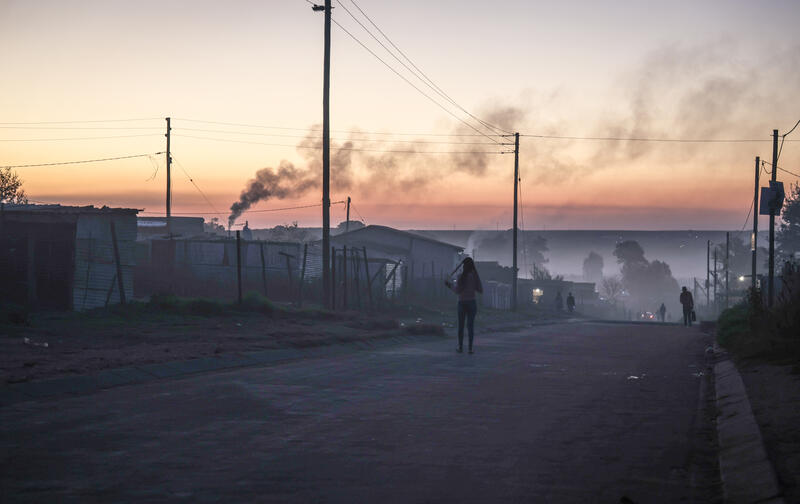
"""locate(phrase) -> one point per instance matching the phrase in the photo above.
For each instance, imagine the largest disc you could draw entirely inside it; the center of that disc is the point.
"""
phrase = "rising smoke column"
(290, 181)
(284, 182)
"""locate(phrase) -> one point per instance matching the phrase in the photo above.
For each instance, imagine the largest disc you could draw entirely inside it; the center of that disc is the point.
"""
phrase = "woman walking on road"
(466, 286)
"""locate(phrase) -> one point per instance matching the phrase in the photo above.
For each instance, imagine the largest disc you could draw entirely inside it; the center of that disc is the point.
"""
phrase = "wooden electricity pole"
(708, 273)
(754, 239)
(169, 183)
(516, 192)
(326, 157)
(771, 294)
(347, 222)
(727, 267)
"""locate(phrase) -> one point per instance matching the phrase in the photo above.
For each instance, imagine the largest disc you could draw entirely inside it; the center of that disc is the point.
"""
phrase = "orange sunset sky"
(715, 70)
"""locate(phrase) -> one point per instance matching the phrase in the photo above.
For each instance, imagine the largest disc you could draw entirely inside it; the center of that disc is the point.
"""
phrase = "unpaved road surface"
(559, 413)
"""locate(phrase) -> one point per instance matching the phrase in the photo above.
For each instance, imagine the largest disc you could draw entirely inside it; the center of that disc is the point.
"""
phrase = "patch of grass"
(749, 332)
(733, 326)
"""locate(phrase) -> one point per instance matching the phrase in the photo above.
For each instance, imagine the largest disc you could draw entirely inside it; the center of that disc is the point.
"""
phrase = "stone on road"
(561, 413)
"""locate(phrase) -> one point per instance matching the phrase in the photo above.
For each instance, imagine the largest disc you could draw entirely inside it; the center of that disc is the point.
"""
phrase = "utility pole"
(716, 303)
(708, 272)
(754, 239)
(771, 294)
(347, 222)
(514, 259)
(326, 157)
(727, 266)
(169, 183)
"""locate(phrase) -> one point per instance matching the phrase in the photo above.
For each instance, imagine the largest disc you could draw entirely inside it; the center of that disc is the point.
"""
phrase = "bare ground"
(774, 393)
(70, 344)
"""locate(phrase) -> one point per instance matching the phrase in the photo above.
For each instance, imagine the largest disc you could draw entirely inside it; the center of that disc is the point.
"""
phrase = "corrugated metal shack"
(416, 264)
(207, 267)
(62, 257)
(153, 227)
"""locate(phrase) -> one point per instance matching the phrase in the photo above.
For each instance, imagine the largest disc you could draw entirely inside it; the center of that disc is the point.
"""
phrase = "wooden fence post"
(263, 269)
(344, 277)
(303, 274)
(333, 278)
(356, 275)
(369, 279)
(119, 265)
(239, 265)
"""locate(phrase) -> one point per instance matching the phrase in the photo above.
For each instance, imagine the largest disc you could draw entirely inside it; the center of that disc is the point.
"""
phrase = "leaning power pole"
(771, 294)
(326, 157)
(754, 239)
(169, 183)
(516, 192)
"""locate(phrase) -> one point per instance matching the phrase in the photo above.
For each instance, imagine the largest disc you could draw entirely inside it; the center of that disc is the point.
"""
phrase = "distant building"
(62, 257)
(247, 233)
(153, 227)
(422, 257)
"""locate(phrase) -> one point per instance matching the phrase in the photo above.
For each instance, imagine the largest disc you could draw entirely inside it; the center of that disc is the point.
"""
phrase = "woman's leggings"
(468, 310)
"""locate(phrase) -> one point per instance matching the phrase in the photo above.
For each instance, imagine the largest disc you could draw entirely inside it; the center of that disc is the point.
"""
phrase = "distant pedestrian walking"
(559, 302)
(570, 303)
(466, 286)
(662, 312)
(688, 306)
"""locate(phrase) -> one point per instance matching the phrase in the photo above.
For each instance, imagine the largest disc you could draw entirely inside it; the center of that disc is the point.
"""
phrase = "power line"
(254, 211)
(74, 138)
(390, 151)
(80, 127)
(262, 126)
(764, 165)
(485, 123)
(418, 73)
(640, 139)
(358, 213)
(783, 138)
(747, 219)
(83, 122)
(409, 82)
(82, 161)
(185, 172)
(350, 139)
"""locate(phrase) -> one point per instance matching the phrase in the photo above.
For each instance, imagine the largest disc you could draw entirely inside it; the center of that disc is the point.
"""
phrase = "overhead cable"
(391, 151)
(411, 83)
(643, 139)
(185, 172)
(415, 71)
(74, 138)
(254, 211)
(349, 139)
(83, 121)
(783, 139)
(262, 126)
(83, 161)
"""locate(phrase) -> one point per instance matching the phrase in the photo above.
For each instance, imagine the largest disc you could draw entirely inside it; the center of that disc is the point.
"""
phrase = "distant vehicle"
(647, 315)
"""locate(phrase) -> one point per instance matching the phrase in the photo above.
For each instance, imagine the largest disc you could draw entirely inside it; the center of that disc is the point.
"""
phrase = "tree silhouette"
(11, 187)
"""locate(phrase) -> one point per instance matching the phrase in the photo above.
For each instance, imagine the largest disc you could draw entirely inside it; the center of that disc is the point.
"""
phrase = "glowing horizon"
(683, 74)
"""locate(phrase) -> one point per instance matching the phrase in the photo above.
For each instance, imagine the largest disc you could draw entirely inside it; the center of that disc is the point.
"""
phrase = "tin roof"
(413, 236)
(66, 209)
